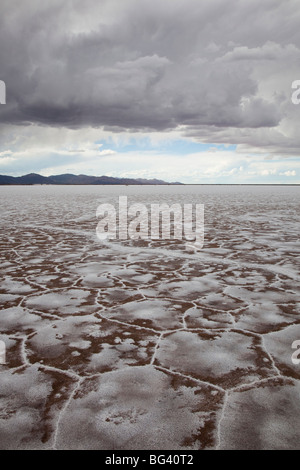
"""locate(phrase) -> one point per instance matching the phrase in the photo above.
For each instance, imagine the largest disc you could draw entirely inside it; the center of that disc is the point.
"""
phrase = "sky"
(180, 90)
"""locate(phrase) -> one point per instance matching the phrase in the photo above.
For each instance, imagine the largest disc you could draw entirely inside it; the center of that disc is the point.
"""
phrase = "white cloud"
(288, 173)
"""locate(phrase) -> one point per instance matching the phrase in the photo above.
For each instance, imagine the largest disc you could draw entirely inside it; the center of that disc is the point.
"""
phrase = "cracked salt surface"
(152, 344)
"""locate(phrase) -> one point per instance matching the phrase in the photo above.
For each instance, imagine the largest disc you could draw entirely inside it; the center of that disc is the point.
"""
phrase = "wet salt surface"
(149, 344)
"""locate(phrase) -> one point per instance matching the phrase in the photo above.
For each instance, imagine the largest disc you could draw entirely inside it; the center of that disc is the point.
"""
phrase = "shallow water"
(149, 344)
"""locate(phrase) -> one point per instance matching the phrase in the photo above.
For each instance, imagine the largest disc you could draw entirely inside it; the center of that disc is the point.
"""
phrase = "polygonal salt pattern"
(224, 358)
(149, 344)
(140, 408)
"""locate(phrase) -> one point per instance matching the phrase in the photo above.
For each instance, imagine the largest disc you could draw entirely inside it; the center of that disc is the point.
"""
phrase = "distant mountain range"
(34, 178)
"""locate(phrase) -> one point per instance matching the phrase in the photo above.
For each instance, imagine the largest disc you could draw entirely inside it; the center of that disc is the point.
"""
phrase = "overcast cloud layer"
(81, 72)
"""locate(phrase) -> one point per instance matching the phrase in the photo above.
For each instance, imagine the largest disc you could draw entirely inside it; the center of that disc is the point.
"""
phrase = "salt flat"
(149, 344)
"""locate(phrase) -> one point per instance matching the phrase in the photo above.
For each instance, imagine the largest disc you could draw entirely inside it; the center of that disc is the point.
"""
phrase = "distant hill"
(34, 178)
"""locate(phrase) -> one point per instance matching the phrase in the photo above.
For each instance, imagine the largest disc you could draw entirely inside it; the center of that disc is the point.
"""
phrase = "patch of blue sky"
(173, 147)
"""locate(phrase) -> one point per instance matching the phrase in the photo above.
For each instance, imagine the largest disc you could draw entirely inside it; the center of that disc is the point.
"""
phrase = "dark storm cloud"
(147, 65)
